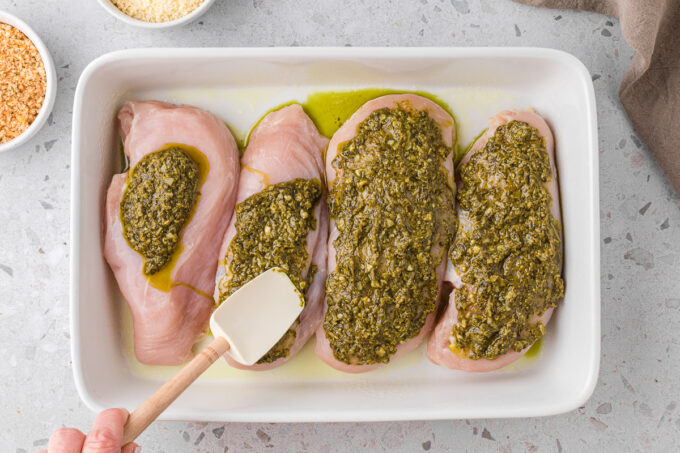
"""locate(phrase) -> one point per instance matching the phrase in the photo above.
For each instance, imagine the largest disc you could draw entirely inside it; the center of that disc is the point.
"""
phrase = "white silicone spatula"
(246, 326)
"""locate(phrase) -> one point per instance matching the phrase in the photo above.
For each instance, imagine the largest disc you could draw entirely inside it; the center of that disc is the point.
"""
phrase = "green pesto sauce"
(158, 199)
(392, 206)
(510, 255)
(271, 231)
(238, 137)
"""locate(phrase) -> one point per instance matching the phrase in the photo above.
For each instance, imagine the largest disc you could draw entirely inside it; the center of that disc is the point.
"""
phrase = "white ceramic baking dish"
(240, 85)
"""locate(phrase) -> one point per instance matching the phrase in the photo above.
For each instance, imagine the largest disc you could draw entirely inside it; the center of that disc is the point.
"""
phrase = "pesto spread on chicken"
(508, 248)
(271, 231)
(159, 197)
(393, 208)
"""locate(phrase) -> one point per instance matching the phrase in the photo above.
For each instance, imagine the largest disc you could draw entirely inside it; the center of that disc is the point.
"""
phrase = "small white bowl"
(51, 76)
(192, 16)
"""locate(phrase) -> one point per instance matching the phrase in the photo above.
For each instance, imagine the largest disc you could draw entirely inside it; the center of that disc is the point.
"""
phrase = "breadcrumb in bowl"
(156, 14)
(28, 82)
(22, 82)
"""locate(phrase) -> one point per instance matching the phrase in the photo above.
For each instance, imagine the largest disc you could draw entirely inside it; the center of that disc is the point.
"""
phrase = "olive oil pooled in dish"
(330, 109)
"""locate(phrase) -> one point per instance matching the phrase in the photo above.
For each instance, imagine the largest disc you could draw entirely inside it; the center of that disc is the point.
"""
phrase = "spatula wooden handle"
(150, 409)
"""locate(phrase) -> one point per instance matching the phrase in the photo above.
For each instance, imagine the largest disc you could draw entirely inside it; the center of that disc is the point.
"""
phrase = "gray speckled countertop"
(635, 405)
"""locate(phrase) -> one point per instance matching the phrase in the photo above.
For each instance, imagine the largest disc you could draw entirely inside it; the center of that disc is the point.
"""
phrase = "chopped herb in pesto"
(393, 209)
(508, 249)
(158, 200)
(271, 231)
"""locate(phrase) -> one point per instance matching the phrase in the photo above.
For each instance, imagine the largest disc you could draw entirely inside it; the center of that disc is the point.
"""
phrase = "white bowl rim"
(50, 75)
(118, 14)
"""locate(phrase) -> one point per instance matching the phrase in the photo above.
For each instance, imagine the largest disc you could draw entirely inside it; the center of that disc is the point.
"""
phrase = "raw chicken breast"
(285, 146)
(345, 133)
(168, 321)
(438, 345)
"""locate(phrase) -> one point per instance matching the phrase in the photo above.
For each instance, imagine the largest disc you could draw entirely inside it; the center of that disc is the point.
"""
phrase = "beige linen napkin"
(650, 89)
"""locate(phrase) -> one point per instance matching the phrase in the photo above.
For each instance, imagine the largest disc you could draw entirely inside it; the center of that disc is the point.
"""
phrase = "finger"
(66, 440)
(131, 448)
(106, 434)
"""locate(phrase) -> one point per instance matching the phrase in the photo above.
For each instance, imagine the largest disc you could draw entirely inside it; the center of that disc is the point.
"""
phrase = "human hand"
(105, 436)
